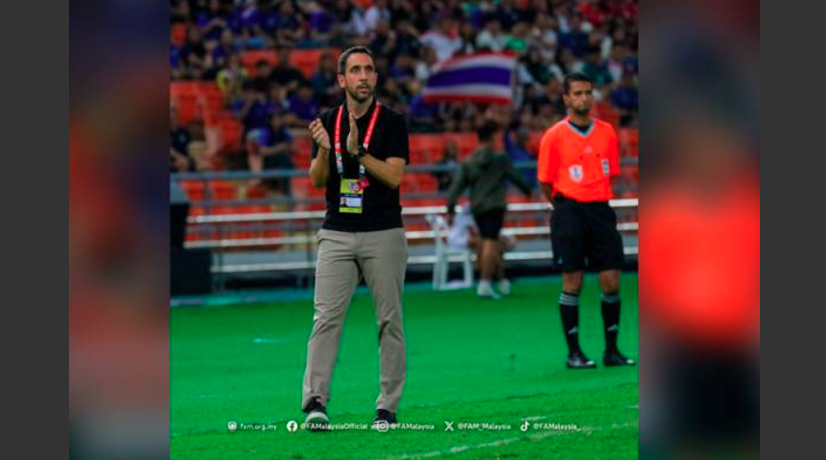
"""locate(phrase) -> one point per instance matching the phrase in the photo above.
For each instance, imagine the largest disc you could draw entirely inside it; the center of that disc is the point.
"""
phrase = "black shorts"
(490, 223)
(585, 235)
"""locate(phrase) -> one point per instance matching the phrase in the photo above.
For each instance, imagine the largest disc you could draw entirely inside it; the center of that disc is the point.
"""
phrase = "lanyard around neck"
(367, 135)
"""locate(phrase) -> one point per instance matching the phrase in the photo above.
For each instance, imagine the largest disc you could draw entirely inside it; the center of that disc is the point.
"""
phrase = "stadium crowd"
(273, 100)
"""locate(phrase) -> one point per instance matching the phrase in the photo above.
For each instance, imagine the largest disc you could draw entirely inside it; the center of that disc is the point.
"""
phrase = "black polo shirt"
(381, 207)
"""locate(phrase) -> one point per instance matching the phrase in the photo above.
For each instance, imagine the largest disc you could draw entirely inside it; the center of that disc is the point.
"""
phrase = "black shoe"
(580, 361)
(384, 420)
(317, 419)
(615, 358)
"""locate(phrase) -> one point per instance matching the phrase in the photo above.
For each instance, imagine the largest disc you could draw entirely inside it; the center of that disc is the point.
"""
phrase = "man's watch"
(361, 153)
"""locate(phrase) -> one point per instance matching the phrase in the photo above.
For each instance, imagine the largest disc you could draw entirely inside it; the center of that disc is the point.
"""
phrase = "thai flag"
(483, 77)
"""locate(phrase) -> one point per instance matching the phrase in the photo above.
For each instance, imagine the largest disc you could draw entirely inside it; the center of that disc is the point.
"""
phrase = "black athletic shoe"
(615, 358)
(317, 419)
(580, 361)
(384, 420)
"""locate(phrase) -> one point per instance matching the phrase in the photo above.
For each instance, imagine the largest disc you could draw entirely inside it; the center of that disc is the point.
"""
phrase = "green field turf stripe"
(535, 437)
(468, 361)
(289, 295)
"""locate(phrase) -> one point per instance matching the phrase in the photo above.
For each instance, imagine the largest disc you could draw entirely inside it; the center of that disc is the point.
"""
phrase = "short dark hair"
(486, 131)
(575, 76)
(342, 60)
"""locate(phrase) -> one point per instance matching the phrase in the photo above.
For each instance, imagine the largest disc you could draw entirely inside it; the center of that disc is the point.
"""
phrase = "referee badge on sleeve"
(606, 168)
(575, 171)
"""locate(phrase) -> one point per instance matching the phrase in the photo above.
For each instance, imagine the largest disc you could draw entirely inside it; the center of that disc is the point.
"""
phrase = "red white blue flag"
(484, 77)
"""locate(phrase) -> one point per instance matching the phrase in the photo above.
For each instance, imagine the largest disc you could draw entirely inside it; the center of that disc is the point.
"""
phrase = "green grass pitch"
(469, 360)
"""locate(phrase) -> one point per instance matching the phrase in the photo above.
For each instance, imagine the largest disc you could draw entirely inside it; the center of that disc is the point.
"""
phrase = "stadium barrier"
(289, 236)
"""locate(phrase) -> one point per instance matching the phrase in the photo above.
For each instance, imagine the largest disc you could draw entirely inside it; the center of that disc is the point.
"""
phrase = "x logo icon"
(448, 426)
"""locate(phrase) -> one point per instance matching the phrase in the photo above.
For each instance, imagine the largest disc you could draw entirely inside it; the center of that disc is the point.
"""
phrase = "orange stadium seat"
(211, 105)
(196, 211)
(250, 58)
(631, 174)
(417, 227)
(427, 183)
(214, 118)
(426, 148)
(301, 187)
(187, 106)
(409, 184)
(181, 88)
(196, 100)
(256, 192)
(178, 34)
(629, 140)
(606, 112)
(306, 60)
(302, 150)
(194, 189)
(533, 142)
(222, 190)
(208, 88)
(467, 143)
(230, 132)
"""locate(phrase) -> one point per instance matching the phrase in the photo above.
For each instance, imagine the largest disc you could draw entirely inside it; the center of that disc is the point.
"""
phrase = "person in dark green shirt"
(486, 173)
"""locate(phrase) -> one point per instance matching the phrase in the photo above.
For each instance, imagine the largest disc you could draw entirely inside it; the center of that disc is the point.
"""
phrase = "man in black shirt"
(359, 156)
(286, 75)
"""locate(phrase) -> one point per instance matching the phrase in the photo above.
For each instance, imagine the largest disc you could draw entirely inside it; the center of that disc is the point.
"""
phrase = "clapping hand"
(353, 137)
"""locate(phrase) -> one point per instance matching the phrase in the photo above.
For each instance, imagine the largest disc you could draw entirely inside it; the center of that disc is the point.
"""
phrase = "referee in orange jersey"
(577, 158)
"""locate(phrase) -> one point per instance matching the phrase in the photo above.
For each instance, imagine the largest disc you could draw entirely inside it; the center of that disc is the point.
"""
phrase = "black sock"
(569, 310)
(611, 319)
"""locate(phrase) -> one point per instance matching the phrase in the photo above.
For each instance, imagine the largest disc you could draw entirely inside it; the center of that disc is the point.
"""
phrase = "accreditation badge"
(352, 196)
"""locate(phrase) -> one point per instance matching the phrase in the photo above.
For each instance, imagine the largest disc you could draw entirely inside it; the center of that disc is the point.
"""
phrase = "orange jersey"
(580, 165)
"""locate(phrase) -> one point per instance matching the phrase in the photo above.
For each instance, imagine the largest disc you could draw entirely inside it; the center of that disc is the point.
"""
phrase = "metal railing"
(303, 224)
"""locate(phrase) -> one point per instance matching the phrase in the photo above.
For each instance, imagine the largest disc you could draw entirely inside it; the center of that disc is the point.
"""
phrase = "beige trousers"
(343, 258)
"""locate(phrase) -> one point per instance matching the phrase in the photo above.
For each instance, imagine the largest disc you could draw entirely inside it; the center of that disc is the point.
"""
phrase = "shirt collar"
(365, 115)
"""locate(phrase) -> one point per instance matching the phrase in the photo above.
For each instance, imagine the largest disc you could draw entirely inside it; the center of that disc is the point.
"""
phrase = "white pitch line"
(506, 441)
(268, 340)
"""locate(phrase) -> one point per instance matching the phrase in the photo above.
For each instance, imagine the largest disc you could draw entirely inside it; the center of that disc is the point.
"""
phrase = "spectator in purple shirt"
(321, 25)
(286, 75)
(509, 13)
(277, 150)
(250, 15)
(403, 69)
(303, 106)
(324, 82)
(285, 25)
(176, 63)
(407, 41)
(193, 53)
(261, 81)
(518, 150)
(271, 148)
(255, 109)
(179, 139)
(626, 98)
(576, 40)
(211, 20)
(423, 115)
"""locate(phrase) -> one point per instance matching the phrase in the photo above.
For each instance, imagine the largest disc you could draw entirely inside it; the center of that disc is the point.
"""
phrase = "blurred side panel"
(700, 230)
(118, 230)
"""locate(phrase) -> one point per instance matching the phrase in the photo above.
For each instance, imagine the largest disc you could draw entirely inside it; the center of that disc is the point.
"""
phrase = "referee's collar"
(577, 129)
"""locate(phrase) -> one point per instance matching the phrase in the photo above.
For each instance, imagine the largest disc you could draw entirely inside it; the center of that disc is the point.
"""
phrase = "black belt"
(560, 198)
